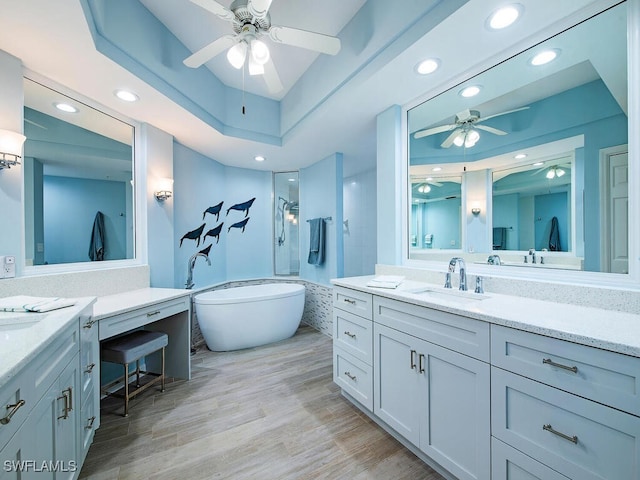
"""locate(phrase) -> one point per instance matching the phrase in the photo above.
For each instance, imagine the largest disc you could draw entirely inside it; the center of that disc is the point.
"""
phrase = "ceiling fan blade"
(207, 53)
(433, 131)
(215, 8)
(501, 113)
(317, 42)
(259, 8)
(271, 78)
(435, 184)
(489, 129)
(449, 140)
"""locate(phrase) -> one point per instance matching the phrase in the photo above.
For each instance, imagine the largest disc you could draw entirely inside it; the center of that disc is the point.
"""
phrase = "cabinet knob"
(352, 377)
(349, 334)
(413, 359)
(90, 368)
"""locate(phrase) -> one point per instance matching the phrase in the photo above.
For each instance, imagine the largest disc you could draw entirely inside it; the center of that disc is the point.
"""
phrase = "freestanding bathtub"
(249, 316)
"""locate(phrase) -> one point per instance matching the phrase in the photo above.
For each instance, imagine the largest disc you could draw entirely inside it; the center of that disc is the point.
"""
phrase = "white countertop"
(111, 305)
(18, 346)
(605, 329)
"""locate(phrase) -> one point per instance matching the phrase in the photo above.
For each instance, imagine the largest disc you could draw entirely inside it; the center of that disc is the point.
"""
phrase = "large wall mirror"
(541, 149)
(78, 181)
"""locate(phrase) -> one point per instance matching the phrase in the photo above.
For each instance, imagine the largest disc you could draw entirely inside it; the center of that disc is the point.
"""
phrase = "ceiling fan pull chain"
(243, 69)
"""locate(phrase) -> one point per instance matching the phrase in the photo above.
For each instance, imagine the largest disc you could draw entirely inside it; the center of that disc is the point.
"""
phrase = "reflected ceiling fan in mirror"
(251, 21)
(465, 128)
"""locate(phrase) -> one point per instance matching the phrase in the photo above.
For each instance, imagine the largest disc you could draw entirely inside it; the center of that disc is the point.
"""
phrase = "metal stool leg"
(126, 389)
(162, 389)
(138, 373)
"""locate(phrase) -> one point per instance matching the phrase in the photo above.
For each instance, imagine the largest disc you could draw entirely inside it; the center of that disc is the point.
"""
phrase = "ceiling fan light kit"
(251, 20)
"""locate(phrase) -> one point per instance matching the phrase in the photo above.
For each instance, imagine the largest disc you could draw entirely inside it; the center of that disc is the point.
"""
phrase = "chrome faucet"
(192, 262)
(532, 252)
(463, 273)
(494, 260)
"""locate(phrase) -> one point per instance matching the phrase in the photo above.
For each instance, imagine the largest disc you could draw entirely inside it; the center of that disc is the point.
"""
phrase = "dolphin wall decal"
(193, 235)
(215, 210)
(214, 232)
(243, 207)
(205, 251)
(241, 224)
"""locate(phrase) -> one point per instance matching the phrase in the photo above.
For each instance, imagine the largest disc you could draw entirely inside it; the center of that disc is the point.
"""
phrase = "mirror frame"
(139, 195)
(630, 280)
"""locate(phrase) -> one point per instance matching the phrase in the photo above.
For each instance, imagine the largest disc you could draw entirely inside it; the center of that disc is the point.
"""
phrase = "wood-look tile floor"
(267, 413)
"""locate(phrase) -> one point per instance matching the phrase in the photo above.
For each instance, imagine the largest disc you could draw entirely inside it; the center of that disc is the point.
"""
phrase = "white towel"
(25, 303)
(386, 281)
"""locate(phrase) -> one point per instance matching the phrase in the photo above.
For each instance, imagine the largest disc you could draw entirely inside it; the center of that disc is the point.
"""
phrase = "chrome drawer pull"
(89, 324)
(14, 408)
(151, 314)
(548, 361)
(90, 368)
(348, 300)
(413, 359)
(421, 362)
(352, 377)
(349, 334)
(549, 428)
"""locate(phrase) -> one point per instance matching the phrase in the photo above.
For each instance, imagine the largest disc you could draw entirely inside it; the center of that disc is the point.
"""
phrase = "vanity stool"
(129, 348)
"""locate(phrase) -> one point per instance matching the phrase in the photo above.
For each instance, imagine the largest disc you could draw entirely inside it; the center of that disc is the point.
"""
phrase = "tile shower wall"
(318, 310)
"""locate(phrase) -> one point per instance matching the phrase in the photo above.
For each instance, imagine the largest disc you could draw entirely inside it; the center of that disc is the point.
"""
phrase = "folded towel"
(386, 281)
(25, 303)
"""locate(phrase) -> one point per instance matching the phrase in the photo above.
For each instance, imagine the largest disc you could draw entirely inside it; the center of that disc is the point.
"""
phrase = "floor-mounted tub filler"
(249, 316)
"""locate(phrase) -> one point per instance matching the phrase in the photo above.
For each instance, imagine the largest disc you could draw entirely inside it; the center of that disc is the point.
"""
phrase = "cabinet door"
(398, 391)
(13, 458)
(458, 428)
(52, 427)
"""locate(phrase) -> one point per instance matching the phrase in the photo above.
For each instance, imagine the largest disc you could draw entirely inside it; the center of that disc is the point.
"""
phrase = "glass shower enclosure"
(286, 223)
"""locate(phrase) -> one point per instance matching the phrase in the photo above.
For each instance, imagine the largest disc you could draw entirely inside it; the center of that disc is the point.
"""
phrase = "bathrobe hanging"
(554, 236)
(96, 246)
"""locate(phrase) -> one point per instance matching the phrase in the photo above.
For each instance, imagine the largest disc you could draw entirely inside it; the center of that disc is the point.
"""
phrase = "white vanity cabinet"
(572, 408)
(43, 438)
(352, 344)
(432, 395)
(89, 419)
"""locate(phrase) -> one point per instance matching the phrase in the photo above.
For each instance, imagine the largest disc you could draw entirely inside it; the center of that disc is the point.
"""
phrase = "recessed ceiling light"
(292, 179)
(520, 156)
(504, 16)
(538, 164)
(470, 91)
(544, 57)
(65, 107)
(126, 96)
(436, 169)
(428, 66)
(259, 158)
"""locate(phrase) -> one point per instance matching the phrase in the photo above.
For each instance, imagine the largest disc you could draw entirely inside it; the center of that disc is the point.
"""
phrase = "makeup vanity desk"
(159, 309)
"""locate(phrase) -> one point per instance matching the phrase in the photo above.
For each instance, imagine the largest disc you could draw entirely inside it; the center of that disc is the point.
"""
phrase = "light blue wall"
(321, 196)
(389, 170)
(11, 96)
(249, 254)
(68, 210)
(547, 207)
(199, 183)
(505, 214)
(442, 220)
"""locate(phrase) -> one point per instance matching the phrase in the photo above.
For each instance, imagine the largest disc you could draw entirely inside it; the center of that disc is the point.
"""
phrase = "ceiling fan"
(251, 21)
(465, 128)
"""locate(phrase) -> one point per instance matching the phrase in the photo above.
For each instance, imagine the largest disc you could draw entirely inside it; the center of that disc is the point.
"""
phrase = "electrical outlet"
(7, 266)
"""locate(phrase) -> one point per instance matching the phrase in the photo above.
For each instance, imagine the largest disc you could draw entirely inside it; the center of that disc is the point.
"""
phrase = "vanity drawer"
(352, 301)
(461, 334)
(574, 436)
(606, 377)
(89, 357)
(353, 376)
(125, 322)
(353, 334)
(50, 363)
(507, 463)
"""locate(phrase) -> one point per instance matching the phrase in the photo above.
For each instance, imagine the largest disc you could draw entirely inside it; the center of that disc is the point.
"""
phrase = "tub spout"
(192, 262)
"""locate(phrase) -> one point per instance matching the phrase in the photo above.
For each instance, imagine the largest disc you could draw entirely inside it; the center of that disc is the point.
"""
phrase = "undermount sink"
(18, 321)
(448, 293)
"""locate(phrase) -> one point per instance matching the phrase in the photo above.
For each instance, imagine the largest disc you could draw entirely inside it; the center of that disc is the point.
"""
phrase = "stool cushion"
(132, 346)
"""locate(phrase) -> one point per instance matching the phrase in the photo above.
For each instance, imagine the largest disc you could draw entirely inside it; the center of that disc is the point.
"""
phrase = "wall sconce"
(10, 148)
(475, 211)
(165, 189)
